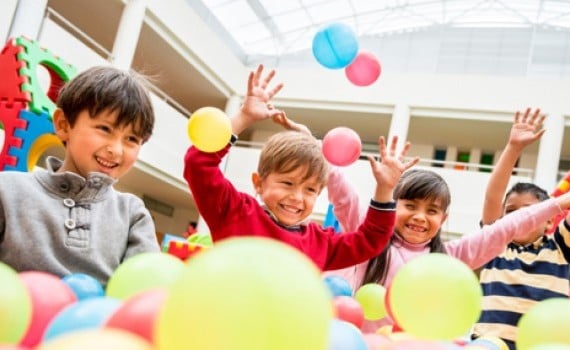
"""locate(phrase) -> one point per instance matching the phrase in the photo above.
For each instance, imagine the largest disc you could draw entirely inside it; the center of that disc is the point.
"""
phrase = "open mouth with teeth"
(416, 228)
(105, 163)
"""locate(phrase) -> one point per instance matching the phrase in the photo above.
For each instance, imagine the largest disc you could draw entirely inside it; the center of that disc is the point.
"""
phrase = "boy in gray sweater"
(69, 218)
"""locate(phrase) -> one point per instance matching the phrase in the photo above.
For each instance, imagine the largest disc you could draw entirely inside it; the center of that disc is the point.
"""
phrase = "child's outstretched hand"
(289, 124)
(391, 166)
(525, 129)
(256, 106)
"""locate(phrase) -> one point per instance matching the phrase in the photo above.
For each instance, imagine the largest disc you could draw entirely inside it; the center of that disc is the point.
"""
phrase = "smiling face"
(288, 196)
(97, 144)
(516, 201)
(419, 220)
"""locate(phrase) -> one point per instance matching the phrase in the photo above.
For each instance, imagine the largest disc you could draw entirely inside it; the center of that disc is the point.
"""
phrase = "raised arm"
(256, 106)
(526, 129)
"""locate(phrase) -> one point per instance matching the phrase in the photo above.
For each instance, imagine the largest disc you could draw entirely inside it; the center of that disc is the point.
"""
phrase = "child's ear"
(61, 125)
(256, 180)
(444, 218)
(549, 226)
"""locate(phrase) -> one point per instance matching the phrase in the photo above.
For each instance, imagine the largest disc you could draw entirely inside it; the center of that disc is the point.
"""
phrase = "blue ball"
(344, 335)
(81, 315)
(335, 46)
(338, 286)
(84, 286)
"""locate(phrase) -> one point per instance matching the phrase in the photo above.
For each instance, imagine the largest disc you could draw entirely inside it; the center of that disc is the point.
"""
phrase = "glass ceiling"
(279, 27)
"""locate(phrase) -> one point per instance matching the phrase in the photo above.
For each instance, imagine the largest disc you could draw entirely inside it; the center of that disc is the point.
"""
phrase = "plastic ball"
(364, 70)
(83, 315)
(551, 347)
(209, 129)
(375, 341)
(449, 299)
(371, 298)
(342, 146)
(335, 46)
(349, 310)
(246, 293)
(50, 295)
(138, 314)
(344, 335)
(337, 286)
(97, 339)
(143, 272)
(416, 344)
(489, 343)
(84, 286)
(544, 323)
(15, 306)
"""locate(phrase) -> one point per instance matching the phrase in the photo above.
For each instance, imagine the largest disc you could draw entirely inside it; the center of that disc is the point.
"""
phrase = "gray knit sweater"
(62, 223)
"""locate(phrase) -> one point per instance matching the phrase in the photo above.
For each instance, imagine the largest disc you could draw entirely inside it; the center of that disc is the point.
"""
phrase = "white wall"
(8, 7)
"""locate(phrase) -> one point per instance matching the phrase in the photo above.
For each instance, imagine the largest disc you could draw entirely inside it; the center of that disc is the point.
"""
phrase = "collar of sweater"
(69, 184)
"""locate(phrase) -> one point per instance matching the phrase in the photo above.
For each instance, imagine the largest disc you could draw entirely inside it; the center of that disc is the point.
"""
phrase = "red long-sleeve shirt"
(230, 213)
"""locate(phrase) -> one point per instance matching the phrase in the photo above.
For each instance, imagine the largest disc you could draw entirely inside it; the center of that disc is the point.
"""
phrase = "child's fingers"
(411, 163)
(268, 78)
(275, 90)
(393, 145)
(525, 116)
(406, 148)
(382, 146)
(250, 83)
(257, 74)
(535, 116)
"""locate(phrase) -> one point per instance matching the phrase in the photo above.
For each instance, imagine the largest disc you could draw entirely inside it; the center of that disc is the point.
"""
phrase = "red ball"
(364, 70)
(139, 312)
(349, 310)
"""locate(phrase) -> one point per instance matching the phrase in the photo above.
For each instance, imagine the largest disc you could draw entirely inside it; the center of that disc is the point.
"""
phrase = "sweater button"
(70, 224)
(68, 202)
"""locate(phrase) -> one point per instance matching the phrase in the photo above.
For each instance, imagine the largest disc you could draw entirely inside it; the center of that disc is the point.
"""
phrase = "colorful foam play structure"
(26, 109)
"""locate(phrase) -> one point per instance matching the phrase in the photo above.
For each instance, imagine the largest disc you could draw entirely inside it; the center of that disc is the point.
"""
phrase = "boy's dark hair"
(103, 88)
(527, 187)
(414, 184)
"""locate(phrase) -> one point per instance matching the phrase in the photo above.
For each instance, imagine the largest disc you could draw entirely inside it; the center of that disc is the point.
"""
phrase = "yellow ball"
(209, 129)
(247, 293)
(15, 306)
(97, 339)
(371, 298)
(435, 297)
(544, 323)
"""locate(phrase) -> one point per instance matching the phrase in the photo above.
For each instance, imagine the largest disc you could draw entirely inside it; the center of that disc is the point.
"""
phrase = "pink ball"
(364, 70)
(349, 310)
(49, 296)
(342, 146)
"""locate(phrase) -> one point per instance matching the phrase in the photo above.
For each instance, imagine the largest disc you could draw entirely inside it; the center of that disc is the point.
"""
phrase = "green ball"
(371, 298)
(15, 306)
(546, 322)
(435, 297)
(247, 293)
(143, 272)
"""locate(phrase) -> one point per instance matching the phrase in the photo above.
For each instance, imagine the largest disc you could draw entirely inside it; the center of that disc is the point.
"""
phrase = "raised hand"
(527, 128)
(391, 166)
(256, 104)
